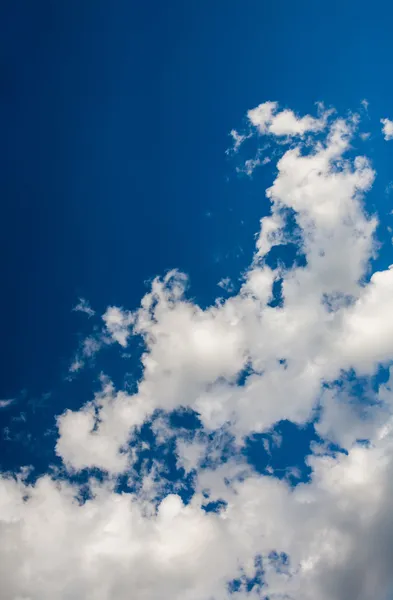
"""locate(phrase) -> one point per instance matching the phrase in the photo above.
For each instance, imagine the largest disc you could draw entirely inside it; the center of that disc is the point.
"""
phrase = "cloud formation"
(268, 119)
(6, 403)
(387, 129)
(84, 307)
(283, 348)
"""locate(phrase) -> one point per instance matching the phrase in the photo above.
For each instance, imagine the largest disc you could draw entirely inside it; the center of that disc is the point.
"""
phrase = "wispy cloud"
(238, 140)
(84, 307)
(6, 403)
(227, 285)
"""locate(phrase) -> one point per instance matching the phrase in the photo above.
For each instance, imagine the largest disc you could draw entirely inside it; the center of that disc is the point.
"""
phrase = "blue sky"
(115, 126)
(117, 167)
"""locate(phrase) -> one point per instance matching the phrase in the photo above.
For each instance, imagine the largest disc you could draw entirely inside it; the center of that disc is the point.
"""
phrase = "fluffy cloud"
(336, 531)
(387, 129)
(118, 324)
(268, 119)
(278, 349)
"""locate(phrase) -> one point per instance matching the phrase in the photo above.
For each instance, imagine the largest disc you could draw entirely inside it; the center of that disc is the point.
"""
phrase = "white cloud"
(365, 136)
(238, 140)
(365, 104)
(84, 306)
(97, 435)
(227, 285)
(118, 324)
(190, 454)
(6, 403)
(88, 348)
(387, 129)
(242, 364)
(76, 365)
(337, 531)
(249, 166)
(269, 120)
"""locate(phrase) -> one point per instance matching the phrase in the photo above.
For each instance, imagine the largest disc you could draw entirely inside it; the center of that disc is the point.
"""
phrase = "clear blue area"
(114, 119)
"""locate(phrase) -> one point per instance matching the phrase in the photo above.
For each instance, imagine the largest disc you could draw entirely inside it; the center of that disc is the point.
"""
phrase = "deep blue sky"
(114, 121)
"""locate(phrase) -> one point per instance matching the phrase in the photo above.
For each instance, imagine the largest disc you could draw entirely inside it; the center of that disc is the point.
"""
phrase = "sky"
(196, 392)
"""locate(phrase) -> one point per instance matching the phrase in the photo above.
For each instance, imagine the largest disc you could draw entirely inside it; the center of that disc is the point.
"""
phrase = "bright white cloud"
(96, 435)
(118, 324)
(387, 129)
(337, 530)
(269, 120)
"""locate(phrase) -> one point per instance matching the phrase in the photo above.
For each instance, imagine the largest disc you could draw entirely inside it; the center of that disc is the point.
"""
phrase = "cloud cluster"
(280, 348)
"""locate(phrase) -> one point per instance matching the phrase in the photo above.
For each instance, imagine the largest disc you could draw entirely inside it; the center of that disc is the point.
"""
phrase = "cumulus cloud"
(268, 119)
(387, 129)
(239, 366)
(118, 324)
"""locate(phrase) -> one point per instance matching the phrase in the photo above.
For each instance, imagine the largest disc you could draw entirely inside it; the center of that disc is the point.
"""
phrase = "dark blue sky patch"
(289, 254)
(234, 585)
(83, 481)
(360, 392)
(160, 458)
(285, 256)
(282, 451)
(221, 447)
(246, 584)
(244, 373)
(277, 296)
(28, 435)
(280, 561)
(214, 506)
(28, 429)
(381, 376)
(122, 365)
(363, 442)
(185, 418)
